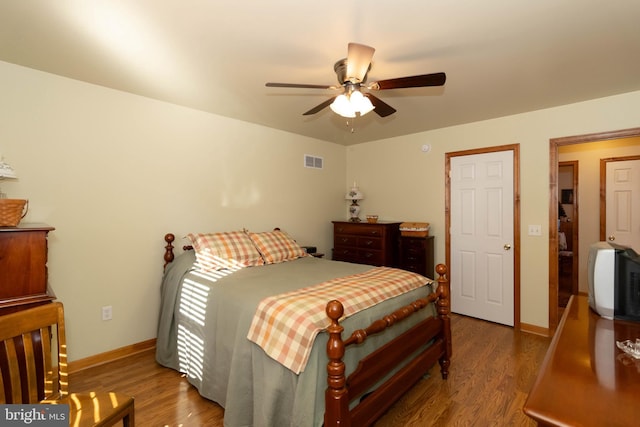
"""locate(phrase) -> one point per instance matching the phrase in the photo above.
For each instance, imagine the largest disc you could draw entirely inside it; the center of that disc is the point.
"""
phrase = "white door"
(481, 235)
(623, 203)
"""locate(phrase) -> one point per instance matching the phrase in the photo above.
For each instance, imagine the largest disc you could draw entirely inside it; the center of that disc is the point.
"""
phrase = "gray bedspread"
(202, 331)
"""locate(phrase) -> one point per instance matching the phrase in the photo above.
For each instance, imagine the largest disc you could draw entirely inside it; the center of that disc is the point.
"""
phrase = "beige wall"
(588, 156)
(401, 182)
(114, 172)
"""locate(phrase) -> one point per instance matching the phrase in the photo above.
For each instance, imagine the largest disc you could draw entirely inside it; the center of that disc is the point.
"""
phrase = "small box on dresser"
(416, 254)
(366, 243)
(23, 267)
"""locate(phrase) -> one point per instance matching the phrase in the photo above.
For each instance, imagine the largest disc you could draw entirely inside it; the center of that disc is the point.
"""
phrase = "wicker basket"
(12, 211)
(414, 229)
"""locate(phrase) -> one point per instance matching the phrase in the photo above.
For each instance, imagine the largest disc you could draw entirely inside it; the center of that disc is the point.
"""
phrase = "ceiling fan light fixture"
(350, 105)
(342, 106)
(351, 73)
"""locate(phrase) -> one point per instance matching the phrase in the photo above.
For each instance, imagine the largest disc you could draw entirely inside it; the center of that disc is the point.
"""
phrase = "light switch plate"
(535, 230)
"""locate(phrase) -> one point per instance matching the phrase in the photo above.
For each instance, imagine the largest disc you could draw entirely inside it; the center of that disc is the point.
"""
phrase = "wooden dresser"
(585, 380)
(416, 254)
(23, 266)
(366, 243)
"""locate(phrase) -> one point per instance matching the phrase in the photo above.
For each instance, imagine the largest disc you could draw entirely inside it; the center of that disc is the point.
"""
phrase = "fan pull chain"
(351, 126)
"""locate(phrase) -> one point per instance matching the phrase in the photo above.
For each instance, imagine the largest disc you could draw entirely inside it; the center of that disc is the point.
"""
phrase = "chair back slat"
(29, 370)
(11, 380)
(47, 363)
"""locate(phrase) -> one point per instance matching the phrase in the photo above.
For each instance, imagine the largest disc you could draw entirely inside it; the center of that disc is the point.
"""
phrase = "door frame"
(554, 143)
(516, 214)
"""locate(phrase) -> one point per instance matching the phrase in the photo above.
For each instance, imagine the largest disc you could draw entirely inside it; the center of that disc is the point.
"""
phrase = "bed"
(207, 316)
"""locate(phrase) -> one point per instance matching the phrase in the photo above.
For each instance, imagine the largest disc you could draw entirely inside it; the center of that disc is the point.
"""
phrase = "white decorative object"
(629, 347)
(354, 195)
(6, 171)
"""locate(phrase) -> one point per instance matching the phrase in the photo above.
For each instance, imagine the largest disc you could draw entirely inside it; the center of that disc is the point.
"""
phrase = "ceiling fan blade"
(302, 86)
(358, 61)
(320, 107)
(382, 108)
(435, 79)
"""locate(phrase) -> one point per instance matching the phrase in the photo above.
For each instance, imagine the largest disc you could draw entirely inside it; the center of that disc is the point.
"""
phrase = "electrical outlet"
(107, 312)
(535, 230)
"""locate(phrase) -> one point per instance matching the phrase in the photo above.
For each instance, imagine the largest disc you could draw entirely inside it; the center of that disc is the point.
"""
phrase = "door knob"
(507, 247)
(612, 238)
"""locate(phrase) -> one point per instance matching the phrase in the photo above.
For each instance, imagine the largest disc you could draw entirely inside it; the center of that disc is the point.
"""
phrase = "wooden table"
(585, 380)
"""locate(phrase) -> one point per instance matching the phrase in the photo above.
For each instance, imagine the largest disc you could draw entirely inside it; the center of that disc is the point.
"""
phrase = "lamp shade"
(6, 171)
(354, 194)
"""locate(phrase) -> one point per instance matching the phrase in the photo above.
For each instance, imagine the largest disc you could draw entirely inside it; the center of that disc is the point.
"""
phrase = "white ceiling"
(501, 57)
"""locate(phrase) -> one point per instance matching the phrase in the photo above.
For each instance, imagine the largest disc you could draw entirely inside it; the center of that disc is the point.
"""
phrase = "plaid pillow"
(276, 246)
(228, 250)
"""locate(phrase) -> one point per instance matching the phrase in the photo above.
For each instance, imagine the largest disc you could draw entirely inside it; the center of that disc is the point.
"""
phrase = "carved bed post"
(444, 309)
(168, 250)
(336, 397)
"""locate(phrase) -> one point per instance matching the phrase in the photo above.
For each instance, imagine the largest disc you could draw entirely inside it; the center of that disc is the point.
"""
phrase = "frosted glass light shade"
(354, 194)
(351, 104)
(360, 103)
(343, 107)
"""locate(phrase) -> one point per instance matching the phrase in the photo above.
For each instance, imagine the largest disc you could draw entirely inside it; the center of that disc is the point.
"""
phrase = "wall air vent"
(313, 162)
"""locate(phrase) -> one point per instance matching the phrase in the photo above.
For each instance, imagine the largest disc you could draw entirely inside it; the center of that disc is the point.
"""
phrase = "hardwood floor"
(492, 369)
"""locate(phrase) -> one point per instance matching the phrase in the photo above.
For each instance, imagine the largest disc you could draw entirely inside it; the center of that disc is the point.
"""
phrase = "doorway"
(554, 146)
(568, 221)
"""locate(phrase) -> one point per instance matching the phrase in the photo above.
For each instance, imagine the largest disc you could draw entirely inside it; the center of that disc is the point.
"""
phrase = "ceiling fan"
(352, 76)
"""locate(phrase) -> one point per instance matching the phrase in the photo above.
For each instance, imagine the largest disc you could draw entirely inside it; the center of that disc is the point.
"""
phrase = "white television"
(601, 269)
(614, 281)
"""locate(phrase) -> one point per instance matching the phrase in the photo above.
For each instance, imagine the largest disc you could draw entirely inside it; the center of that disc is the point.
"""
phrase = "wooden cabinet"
(416, 254)
(366, 243)
(23, 266)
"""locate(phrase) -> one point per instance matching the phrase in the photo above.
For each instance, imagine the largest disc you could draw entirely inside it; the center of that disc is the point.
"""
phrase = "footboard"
(374, 367)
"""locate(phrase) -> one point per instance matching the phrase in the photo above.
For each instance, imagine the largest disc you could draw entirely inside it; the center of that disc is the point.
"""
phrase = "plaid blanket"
(286, 325)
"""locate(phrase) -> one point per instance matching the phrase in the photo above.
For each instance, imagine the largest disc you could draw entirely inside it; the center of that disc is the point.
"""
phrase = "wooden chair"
(33, 369)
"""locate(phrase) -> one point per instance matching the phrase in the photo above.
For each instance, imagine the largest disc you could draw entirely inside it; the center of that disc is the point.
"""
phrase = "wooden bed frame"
(406, 349)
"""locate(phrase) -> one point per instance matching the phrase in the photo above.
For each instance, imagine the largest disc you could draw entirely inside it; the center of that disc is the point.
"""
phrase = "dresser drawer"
(369, 242)
(360, 229)
(371, 257)
(417, 255)
(365, 243)
(414, 244)
(417, 267)
(413, 255)
(346, 254)
(345, 240)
